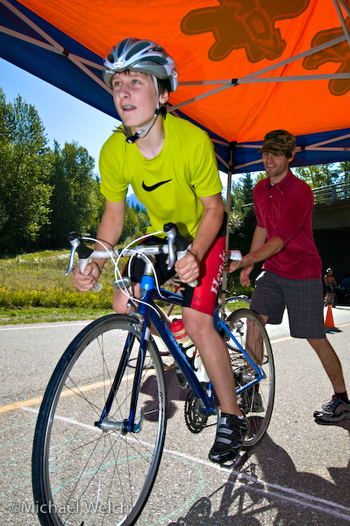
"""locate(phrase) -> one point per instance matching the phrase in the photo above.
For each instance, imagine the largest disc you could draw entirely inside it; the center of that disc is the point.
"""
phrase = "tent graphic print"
(245, 66)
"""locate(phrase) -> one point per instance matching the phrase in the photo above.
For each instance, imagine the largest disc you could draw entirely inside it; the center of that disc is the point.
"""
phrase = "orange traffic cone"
(329, 323)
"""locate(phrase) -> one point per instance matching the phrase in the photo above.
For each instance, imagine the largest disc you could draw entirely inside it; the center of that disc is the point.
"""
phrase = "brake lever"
(74, 240)
(171, 232)
(83, 252)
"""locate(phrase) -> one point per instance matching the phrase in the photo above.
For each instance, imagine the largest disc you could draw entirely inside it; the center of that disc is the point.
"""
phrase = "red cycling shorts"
(201, 298)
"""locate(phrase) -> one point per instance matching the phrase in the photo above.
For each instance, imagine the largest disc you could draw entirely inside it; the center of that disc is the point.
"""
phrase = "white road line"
(56, 325)
(269, 490)
(296, 495)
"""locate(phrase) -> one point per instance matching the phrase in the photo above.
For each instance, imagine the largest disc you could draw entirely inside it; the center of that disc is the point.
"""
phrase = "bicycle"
(102, 422)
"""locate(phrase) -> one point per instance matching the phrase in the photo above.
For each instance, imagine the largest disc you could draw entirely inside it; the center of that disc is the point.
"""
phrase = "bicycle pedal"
(237, 463)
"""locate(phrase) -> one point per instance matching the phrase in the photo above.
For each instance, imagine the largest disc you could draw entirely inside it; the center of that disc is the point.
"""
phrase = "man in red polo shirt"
(292, 271)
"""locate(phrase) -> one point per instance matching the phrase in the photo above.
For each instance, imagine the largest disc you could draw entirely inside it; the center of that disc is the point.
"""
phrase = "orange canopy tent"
(245, 66)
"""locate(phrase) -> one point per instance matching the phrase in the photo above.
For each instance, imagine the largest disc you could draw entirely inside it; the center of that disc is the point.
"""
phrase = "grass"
(37, 315)
(33, 288)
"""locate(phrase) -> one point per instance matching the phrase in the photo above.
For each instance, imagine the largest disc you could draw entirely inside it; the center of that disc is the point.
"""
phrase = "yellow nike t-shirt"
(170, 184)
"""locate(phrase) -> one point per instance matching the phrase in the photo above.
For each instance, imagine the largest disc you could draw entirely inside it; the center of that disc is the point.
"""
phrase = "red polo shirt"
(285, 211)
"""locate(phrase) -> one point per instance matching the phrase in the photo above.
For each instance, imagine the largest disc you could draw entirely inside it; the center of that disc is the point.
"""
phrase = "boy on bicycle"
(283, 239)
(171, 166)
(331, 285)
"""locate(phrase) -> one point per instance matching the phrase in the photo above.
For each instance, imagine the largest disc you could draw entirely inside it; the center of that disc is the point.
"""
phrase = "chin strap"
(143, 132)
(140, 133)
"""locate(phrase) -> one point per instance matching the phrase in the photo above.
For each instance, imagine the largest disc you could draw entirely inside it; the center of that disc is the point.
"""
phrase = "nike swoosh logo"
(154, 186)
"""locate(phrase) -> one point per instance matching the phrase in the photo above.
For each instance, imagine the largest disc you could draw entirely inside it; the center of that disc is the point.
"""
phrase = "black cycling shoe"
(229, 438)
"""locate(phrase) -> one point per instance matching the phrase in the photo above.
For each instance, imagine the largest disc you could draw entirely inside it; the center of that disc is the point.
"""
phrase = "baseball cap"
(279, 142)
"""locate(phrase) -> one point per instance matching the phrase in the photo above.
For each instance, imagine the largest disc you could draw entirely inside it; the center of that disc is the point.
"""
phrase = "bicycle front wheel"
(81, 474)
(255, 401)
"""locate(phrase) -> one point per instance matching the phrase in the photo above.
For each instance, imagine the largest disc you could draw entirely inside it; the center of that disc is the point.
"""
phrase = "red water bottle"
(178, 330)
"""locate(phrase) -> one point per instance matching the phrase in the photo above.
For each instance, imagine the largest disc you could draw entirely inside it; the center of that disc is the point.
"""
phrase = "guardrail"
(332, 192)
(326, 194)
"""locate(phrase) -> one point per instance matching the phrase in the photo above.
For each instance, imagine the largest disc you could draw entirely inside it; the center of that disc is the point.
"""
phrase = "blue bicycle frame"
(148, 314)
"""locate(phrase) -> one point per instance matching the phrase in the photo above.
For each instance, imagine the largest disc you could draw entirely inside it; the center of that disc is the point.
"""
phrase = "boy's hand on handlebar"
(188, 268)
(85, 282)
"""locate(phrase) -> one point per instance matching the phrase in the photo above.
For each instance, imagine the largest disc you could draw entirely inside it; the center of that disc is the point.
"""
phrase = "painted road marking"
(55, 325)
(267, 489)
(34, 401)
(70, 392)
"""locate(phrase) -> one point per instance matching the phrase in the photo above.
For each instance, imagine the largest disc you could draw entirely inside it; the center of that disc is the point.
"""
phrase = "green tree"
(142, 220)
(25, 165)
(135, 223)
(247, 189)
(242, 191)
(76, 202)
(260, 176)
(317, 176)
(236, 195)
(343, 171)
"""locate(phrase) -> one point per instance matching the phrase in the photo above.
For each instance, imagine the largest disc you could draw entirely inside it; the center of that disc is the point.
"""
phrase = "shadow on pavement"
(281, 495)
(174, 394)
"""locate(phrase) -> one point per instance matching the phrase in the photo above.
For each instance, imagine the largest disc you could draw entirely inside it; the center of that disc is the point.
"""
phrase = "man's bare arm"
(260, 250)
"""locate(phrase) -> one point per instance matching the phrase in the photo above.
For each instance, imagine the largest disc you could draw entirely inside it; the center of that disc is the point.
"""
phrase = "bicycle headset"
(143, 56)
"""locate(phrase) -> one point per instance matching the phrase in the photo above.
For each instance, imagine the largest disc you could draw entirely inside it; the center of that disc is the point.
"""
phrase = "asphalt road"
(298, 476)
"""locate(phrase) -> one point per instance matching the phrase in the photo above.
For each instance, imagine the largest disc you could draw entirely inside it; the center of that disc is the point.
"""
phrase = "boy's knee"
(198, 322)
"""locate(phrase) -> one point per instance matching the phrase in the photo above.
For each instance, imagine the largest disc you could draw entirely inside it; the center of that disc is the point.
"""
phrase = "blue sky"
(66, 119)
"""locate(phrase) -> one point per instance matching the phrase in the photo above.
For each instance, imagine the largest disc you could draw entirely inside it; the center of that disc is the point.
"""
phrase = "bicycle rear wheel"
(234, 303)
(81, 474)
(256, 401)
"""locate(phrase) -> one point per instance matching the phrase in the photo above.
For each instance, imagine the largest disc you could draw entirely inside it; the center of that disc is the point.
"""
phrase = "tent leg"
(228, 210)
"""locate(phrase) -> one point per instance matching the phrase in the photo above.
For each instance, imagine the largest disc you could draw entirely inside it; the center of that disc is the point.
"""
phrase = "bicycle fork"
(127, 425)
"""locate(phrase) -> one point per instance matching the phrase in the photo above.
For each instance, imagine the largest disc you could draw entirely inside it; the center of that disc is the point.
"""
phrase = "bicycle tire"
(81, 474)
(255, 402)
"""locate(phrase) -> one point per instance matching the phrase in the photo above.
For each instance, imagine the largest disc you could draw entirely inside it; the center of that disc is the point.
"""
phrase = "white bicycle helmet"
(144, 56)
(140, 55)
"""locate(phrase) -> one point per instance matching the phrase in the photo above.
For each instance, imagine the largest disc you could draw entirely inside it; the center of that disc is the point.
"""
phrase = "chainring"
(195, 420)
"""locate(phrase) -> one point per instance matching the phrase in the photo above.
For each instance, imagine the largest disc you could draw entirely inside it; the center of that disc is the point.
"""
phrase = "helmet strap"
(140, 134)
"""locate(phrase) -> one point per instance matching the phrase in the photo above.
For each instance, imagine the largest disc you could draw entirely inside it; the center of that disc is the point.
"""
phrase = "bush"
(38, 280)
(54, 298)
